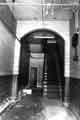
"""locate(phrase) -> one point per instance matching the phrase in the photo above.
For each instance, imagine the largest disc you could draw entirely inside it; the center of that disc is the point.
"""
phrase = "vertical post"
(76, 19)
(59, 77)
(43, 10)
(45, 69)
(67, 88)
(45, 76)
(14, 87)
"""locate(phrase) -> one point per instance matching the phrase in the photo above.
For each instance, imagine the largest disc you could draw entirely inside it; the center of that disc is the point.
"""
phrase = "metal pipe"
(42, 4)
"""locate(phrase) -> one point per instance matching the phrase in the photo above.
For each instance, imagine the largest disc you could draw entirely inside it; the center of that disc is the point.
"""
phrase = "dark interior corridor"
(50, 44)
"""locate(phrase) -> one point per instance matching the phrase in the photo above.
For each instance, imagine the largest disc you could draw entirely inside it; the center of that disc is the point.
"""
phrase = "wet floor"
(38, 108)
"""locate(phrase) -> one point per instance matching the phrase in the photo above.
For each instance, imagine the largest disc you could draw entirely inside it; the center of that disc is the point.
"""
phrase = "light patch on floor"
(58, 113)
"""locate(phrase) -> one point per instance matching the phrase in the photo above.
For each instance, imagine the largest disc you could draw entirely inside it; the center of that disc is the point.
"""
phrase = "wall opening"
(42, 61)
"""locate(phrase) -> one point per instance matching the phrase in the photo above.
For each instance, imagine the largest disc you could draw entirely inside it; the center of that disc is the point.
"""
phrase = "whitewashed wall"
(61, 27)
(6, 50)
(74, 66)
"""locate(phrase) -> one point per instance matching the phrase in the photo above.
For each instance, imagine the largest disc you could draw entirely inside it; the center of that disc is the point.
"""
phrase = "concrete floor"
(38, 108)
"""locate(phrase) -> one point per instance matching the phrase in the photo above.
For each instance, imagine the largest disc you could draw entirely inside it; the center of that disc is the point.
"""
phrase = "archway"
(48, 46)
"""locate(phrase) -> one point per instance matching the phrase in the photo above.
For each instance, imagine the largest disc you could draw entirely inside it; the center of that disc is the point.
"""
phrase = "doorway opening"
(42, 63)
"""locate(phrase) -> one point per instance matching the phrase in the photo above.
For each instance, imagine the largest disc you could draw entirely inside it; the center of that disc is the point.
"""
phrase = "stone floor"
(38, 108)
